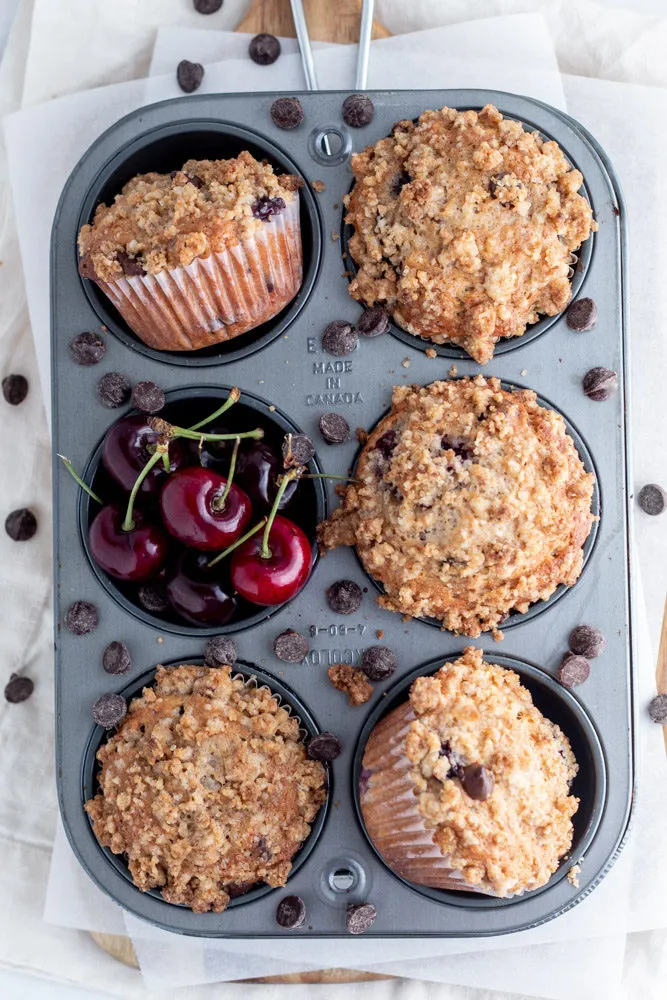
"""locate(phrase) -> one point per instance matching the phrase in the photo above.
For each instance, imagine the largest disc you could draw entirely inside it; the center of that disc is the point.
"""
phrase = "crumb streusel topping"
(465, 225)
(162, 221)
(473, 711)
(469, 502)
(352, 682)
(206, 788)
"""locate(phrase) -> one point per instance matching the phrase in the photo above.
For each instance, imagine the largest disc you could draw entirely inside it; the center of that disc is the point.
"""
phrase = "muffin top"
(473, 712)
(161, 221)
(206, 788)
(469, 502)
(465, 226)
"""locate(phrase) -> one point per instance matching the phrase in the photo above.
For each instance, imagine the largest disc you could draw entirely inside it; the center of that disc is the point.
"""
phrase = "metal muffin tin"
(283, 364)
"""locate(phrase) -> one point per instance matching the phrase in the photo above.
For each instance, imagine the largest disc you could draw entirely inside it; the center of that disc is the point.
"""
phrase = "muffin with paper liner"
(466, 785)
(198, 256)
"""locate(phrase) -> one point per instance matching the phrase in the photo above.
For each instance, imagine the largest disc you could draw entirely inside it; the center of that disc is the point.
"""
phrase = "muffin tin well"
(282, 365)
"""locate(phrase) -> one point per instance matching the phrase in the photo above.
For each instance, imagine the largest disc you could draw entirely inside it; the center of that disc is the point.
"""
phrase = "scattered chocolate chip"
(81, 618)
(220, 651)
(334, 428)
(386, 444)
(339, 338)
(378, 662)
(14, 389)
(573, 670)
(477, 782)
(298, 449)
(21, 524)
(600, 383)
(587, 640)
(18, 689)
(360, 917)
(287, 112)
(265, 208)
(358, 110)
(657, 709)
(582, 315)
(148, 396)
(264, 49)
(373, 322)
(132, 267)
(291, 912)
(87, 349)
(153, 597)
(113, 390)
(325, 747)
(189, 76)
(109, 710)
(344, 597)
(652, 499)
(399, 182)
(290, 646)
(207, 6)
(116, 658)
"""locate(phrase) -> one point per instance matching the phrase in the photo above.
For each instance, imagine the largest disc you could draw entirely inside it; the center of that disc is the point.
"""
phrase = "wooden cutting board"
(328, 21)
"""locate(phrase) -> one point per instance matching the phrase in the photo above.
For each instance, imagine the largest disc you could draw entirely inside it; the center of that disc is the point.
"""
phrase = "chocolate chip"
(196, 181)
(287, 112)
(15, 389)
(132, 268)
(21, 524)
(153, 597)
(344, 597)
(264, 49)
(573, 670)
(378, 662)
(81, 618)
(220, 651)
(265, 208)
(298, 449)
(290, 646)
(652, 499)
(109, 710)
(291, 912)
(587, 640)
(459, 447)
(207, 6)
(582, 315)
(113, 390)
(18, 689)
(477, 782)
(87, 349)
(87, 268)
(325, 747)
(360, 917)
(373, 322)
(339, 338)
(399, 182)
(148, 396)
(600, 383)
(189, 76)
(334, 428)
(657, 709)
(386, 444)
(116, 658)
(358, 110)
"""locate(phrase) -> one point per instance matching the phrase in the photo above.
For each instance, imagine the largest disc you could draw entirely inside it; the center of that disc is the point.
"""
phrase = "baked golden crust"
(465, 225)
(163, 221)
(469, 502)
(206, 788)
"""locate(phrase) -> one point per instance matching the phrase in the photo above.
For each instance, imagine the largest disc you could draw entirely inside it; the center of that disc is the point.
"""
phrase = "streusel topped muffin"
(469, 502)
(206, 788)
(465, 225)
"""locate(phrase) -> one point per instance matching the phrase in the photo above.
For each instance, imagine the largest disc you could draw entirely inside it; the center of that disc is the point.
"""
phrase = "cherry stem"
(239, 541)
(218, 503)
(128, 523)
(265, 552)
(328, 475)
(234, 396)
(79, 480)
(185, 432)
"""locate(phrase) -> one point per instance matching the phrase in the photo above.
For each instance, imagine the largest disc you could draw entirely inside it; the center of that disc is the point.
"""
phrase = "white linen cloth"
(27, 810)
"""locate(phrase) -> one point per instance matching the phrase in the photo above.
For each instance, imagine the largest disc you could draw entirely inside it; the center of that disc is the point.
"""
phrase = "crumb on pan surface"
(164, 221)
(206, 788)
(351, 681)
(470, 502)
(465, 226)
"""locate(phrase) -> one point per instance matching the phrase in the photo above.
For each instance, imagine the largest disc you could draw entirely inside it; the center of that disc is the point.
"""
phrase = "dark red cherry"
(128, 446)
(257, 471)
(279, 577)
(211, 454)
(199, 594)
(188, 507)
(135, 555)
